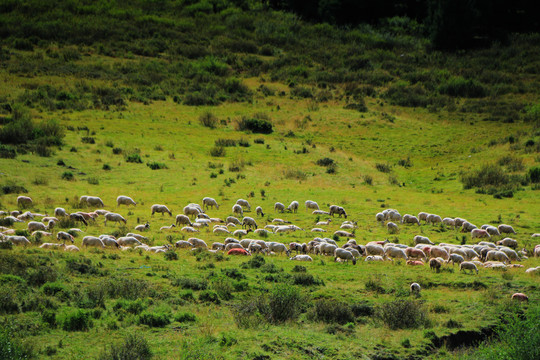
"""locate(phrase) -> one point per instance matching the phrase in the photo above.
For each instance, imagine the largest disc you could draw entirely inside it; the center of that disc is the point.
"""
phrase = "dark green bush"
(190, 283)
(254, 262)
(7, 152)
(49, 318)
(209, 296)
(154, 319)
(11, 348)
(217, 151)
(130, 306)
(133, 347)
(458, 86)
(185, 317)
(384, 168)
(225, 142)
(358, 106)
(233, 273)
(117, 151)
(12, 188)
(325, 162)
(82, 266)
(156, 166)
(534, 174)
(53, 288)
(332, 311)
(106, 167)
(487, 175)
(134, 158)
(299, 269)
(77, 320)
(88, 140)
(68, 175)
(305, 279)
(261, 126)
(208, 120)
(402, 314)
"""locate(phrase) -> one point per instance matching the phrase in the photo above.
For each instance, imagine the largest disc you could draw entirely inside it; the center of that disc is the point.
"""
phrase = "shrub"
(156, 166)
(77, 320)
(458, 86)
(11, 348)
(368, 179)
(13, 188)
(88, 140)
(488, 174)
(53, 288)
(209, 120)
(217, 151)
(332, 311)
(258, 141)
(359, 106)
(283, 303)
(134, 347)
(127, 288)
(534, 175)
(171, 255)
(260, 125)
(106, 167)
(302, 92)
(511, 163)
(305, 279)
(134, 158)
(299, 269)
(402, 314)
(384, 168)
(93, 181)
(7, 152)
(82, 266)
(190, 283)
(185, 317)
(295, 174)
(325, 162)
(406, 163)
(117, 151)
(68, 175)
(130, 306)
(225, 142)
(254, 262)
(209, 296)
(154, 319)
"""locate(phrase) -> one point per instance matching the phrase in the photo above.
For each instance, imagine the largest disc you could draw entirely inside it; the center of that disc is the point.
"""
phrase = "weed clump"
(208, 120)
(332, 311)
(134, 347)
(154, 319)
(77, 320)
(156, 166)
(259, 123)
(402, 314)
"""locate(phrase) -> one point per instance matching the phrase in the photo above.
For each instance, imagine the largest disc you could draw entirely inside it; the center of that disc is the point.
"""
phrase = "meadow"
(256, 106)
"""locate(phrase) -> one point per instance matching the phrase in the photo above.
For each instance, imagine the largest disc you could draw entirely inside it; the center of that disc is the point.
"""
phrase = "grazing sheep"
(230, 246)
(318, 230)
(60, 212)
(197, 206)
(419, 239)
(415, 262)
(449, 222)
(497, 256)
(320, 212)
(414, 253)
(335, 209)
(380, 217)
(237, 209)
(232, 219)
(182, 219)
(25, 216)
(189, 229)
(467, 226)
(479, 233)
(395, 253)
(157, 208)
(374, 258)
(455, 258)
(72, 248)
(221, 230)
(64, 236)
(197, 243)
(311, 205)
(237, 251)
(259, 211)
(249, 222)
(278, 248)
(78, 217)
(511, 243)
(535, 235)
(348, 226)
(114, 217)
(293, 207)
(512, 254)
(137, 236)
(392, 228)
(109, 241)
(239, 233)
(345, 255)
(466, 265)
(435, 264)
(394, 216)
(506, 229)
(433, 219)
(415, 288)
(183, 244)
(92, 241)
(534, 270)
(128, 241)
(217, 246)
(374, 249)
(244, 204)
(94, 201)
(279, 207)
(438, 251)
(262, 232)
(24, 201)
(40, 233)
(18, 240)
(520, 297)
(422, 216)
(143, 227)
(35, 225)
(52, 246)
(409, 219)
(124, 200)
(210, 202)
(301, 258)
(167, 227)
(327, 222)
(343, 233)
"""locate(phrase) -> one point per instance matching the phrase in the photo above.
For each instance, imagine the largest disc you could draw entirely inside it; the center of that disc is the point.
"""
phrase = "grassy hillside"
(169, 102)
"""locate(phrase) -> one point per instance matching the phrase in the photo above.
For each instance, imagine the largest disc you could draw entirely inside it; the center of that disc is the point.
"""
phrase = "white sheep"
(72, 248)
(243, 203)
(449, 222)
(278, 248)
(35, 225)
(92, 241)
(137, 236)
(210, 202)
(182, 219)
(60, 212)
(467, 226)
(409, 219)
(24, 201)
(197, 243)
(415, 288)
(218, 246)
(240, 232)
(94, 201)
(433, 219)
(52, 246)
(497, 256)
(25, 216)
(493, 231)
(422, 216)
(374, 249)
(506, 229)
(237, 209)
(259, 211)
(479, 233)
(301, 258)
(64, 236)
(320, 212)
(183, 244)
(343, 233)
(189, 229)
(335, 209)
(18, 240)
(345, 255)
(321, 223)
(41, 233)
(157, 208)
(221, 230)
(167, 227)
(249, 222)
(279, 207)
(293, 207)
(114, 217)
(374, 258)
(311, 205)
(143, 227)
(232, 219)
(318, 230)
(419, 239)
(466, 265)
(392, 228)
(124, 200)
(128, 241)
(455, 258)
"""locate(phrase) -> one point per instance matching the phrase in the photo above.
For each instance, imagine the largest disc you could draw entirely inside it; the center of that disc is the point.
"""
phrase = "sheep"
(512, 254)
(343, 233)
(537, 251)
(492, 230)
(125, 200)
(415, 262)
(419, 239)
(18, 240)
(51, 246)
(327, 222)
(422, 216)
(394, 216)
(320, 212)
(348, 226)
(294, 246)
(435, 264)
(506, 229)
(60, 212)
(437, 251)
(311, 205)
(241, 233)
(374, 249)
(497, 256)
(183, 244)
(182, 219)
(72, 248)
(109, 241)
(137, 236)
(345, 255)
(379, 217)
(279, 207)
(318, 230)
(415, 253)
(196, 206)
(217, 246)
(189, 229)
(40, 233)
(466, 265)
(203, 216)
(262, 232)
(62, 235)
(244, 204)
(280, 221)
(259, 211)
(233, 246)
(535, 235)
(157, 208)
(249, 222)
(449, 222)
(479, 233)
(533, 270)
(392, 228)
(115, 218)
(237, 209)
(374, 258)
(467, 227)
(335, 209)
(94, 201)
(92, 241)
(220, 230)
(415, 288)
(24, 201)
(508, 242)
(78, 217)
(520, 297)
(395, 253)
(232, 219)
(35, 225)
(167, 227)
(143, 227)
(203, 222)
(25, 216)
(455, 258)
(159, 249)
(210, 202)
(433, 219)
(301, 258)
(278, 248)
(409, 219)
(293, 207)
(197, 243)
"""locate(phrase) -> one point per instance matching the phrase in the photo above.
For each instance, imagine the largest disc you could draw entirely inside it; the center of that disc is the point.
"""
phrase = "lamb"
(143, 227)
(249, 222)
(511, 243)
(24, 201)
(237, 209)
(419, 239)
(311, 205)
(415, 288)
(94, 201)
(35, 225)
(301, 258)
(279, 207)
(232, 219)
(241, 233)
(374, 258)
(259, 211)
(395, 253)
(72, 248)
(18, 240)
(210, 202)
(78, 217)
(92, 241)
(60, 212)
(51, 246)
(321, 223)
(335, 209)
(348, 226)
(244, 204)
(409, 219)
(506, 229)
(320, 212)
(392, 228)
(64, 236)
(455, 258)
(157, 208)
(479, 233)
(189, 229)
(125, 200)
(115, 218)
(293, 207)
(435, 264)
(318, 230)
(343, 233)
(466, 265)
(182, 219)
(345, 255)
(167, 227)
(197, 243)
